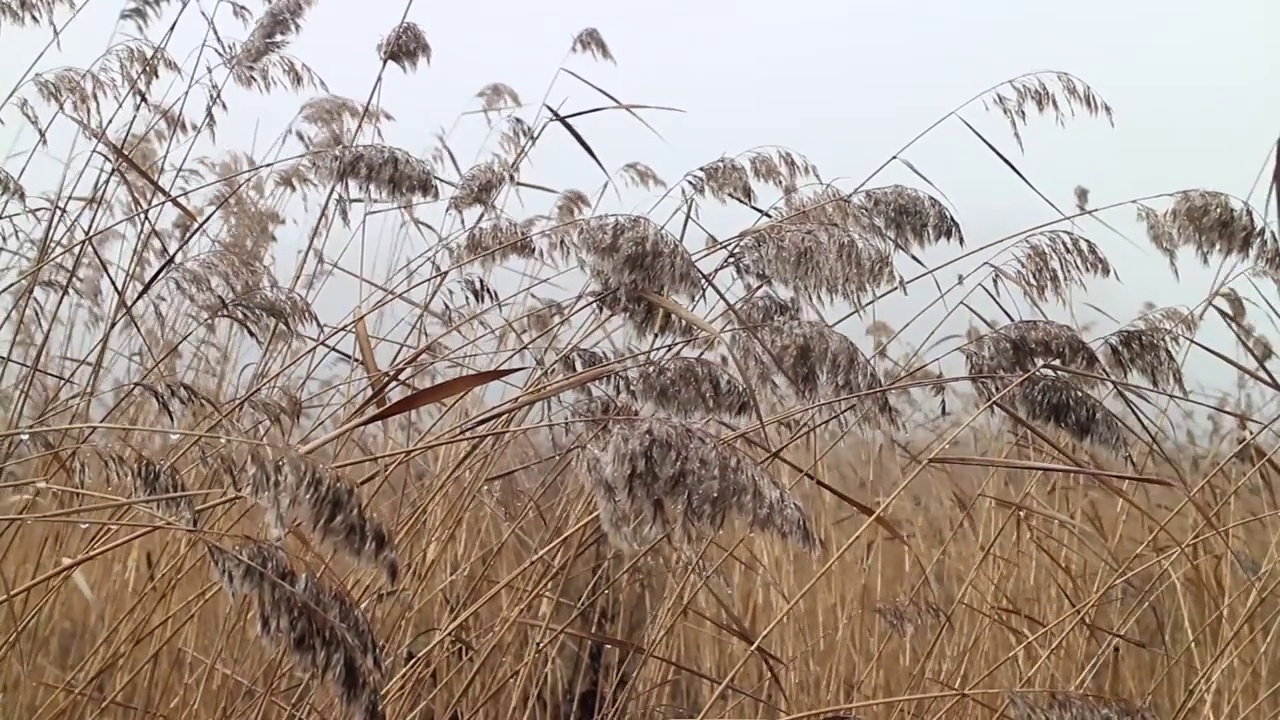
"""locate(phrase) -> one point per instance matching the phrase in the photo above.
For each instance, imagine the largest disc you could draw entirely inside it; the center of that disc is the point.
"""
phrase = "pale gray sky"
(1194, 87)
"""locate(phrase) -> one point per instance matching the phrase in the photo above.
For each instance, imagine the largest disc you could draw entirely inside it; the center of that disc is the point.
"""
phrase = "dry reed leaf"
(646, 317)
(1008, 163)
(377, 392)
(989, 462)
(436, 393)
(1275, 177)
(577, 137)
(124, 158)
(681, 312)
(630, 109)
(533, 397)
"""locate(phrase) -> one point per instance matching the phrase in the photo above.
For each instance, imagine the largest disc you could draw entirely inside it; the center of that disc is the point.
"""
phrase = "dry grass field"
(566, 463)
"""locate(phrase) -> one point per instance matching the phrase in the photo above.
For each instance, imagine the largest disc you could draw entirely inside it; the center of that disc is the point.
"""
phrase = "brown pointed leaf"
(1027, 181)
(1013, 463)
(624, 106)
(436, 393)
(1012, 167)
(681, 312)
(548, 391)
(578, 138)
(379, 390)
(1275, 180)
(607, 108)
(911, 166)
(123, 157)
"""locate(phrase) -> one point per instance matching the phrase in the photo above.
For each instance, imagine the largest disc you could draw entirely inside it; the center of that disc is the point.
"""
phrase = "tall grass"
(563, 462)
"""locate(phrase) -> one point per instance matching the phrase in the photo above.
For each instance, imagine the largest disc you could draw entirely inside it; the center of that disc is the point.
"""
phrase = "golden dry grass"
(684, 491)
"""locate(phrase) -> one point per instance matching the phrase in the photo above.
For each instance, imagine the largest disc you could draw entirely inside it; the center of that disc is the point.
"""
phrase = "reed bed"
(566, 461)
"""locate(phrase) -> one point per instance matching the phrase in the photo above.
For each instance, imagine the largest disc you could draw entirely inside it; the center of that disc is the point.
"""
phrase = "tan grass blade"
(630, 109)
(996, 462)
(548, 391)
(435, 393)
(378, 390)
(578, 138)
(916, 171)
(123, 157)
(681, 312)
(1274, 191)
(1012, 167)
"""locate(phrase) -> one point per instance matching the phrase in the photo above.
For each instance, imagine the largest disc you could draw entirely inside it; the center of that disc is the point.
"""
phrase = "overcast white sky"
(1194, 87)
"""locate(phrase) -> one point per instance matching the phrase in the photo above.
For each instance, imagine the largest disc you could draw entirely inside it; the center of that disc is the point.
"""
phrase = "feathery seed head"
(282, 481)
(1045, 93)
(1147, 347)
(1050, 263)
(1211, 224)
(481, 186)
(633, 254)
(693, 388)
(1060, 403)
(405, 46)
(497, 241)
(654, 475)
(1021, 345)
(818, 364)
(590, 42)
(272, 33)
(318, 623)
(905, 615)
(378, 170)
